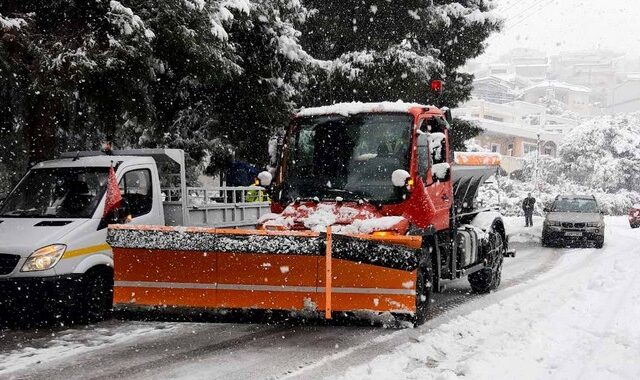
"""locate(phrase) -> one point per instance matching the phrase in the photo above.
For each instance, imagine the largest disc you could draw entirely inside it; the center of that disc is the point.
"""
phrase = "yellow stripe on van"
(86, 251)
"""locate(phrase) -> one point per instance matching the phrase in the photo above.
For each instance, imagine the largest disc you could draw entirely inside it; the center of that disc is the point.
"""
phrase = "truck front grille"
(8, 263)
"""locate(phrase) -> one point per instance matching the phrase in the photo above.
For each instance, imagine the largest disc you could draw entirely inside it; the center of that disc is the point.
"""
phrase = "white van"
(53, 252)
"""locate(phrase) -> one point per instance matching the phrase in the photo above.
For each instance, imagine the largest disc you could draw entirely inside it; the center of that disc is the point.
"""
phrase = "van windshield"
(57, 193)
(575, 205)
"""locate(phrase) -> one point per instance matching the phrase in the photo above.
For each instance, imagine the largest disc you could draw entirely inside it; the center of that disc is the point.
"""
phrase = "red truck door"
(438, 177)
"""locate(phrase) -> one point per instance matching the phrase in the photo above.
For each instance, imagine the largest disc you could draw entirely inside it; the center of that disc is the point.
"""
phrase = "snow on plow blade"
(255, 269)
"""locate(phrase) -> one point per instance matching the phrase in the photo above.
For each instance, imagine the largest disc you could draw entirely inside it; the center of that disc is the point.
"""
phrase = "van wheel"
(97, 294)
(489, 278)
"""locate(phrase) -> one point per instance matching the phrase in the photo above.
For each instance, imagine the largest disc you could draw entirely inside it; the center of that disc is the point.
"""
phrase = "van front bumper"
(26, 292)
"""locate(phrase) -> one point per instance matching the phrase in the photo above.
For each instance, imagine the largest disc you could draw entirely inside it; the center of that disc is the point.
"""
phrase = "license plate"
(573, 234)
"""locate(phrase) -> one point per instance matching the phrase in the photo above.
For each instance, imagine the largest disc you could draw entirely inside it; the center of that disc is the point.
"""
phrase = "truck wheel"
(489, 278)
(424, 290)
(97, 294)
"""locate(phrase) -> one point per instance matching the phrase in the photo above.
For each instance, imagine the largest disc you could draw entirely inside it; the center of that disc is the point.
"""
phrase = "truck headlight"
(44, 258)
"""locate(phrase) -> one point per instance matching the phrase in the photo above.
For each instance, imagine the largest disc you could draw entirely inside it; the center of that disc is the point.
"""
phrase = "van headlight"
(44, 258)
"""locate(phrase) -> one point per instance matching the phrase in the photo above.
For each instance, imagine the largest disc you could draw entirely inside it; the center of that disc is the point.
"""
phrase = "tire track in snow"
(329, 365)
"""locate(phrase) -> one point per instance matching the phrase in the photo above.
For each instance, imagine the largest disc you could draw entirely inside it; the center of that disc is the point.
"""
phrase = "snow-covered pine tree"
(383, 50)
(195, 74)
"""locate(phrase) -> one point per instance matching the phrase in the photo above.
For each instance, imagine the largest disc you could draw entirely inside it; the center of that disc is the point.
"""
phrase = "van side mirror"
(119, 215)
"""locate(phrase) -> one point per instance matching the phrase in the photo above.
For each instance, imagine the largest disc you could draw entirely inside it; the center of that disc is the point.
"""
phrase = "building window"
(529, 148)
(488, 117)
(510, 149)
(495, 148)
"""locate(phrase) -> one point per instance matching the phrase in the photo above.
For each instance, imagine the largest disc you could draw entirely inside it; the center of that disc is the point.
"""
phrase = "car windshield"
(57, 193)
(349, 157)
(575, 205)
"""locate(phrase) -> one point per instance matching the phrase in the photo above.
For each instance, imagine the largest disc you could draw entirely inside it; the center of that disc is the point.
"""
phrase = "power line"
(548, 2)
(516, 5)
(516, 19)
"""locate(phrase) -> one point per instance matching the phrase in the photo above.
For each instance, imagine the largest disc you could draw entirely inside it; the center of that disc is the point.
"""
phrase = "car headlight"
(44, 258)
(593, 224)
(553, 223)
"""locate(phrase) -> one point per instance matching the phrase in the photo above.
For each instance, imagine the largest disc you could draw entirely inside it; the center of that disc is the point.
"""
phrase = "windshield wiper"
(358, 196)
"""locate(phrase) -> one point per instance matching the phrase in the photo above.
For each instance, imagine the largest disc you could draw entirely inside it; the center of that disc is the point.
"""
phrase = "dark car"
(634, 216)
(573, 219)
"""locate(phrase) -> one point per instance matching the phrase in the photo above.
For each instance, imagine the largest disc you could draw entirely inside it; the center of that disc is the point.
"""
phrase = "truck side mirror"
(400, 177)
(448, 116)
(265, 178)
(441, 172)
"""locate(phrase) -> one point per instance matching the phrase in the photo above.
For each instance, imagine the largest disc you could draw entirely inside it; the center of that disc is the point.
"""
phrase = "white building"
(574, 97)
(625, 97)
(515, 129)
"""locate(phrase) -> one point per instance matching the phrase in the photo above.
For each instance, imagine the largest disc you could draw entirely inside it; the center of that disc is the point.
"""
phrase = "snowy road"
(573, 293)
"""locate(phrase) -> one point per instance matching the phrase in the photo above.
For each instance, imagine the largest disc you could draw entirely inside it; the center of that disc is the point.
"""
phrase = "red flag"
(113, 198)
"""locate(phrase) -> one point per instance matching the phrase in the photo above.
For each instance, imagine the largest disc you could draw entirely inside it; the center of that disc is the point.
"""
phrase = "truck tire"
(97, 294)
(424, 291)
(489, 278)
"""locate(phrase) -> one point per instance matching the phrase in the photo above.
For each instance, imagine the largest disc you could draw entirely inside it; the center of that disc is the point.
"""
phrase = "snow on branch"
(7, 23)
(127, 21)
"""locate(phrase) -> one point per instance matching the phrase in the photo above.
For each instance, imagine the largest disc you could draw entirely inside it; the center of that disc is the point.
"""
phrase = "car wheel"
(545, 243)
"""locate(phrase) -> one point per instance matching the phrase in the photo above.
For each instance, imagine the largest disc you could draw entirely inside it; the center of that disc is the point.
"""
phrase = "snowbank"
(578, 320)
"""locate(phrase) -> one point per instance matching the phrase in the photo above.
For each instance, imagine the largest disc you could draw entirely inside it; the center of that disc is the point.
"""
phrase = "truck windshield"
(57, 193)
(575, 205)
(349, 157)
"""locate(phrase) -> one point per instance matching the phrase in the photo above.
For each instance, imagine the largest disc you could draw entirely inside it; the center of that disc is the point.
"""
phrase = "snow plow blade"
(257, 269)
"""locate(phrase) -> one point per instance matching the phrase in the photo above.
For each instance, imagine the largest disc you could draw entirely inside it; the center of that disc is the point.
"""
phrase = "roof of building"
(557, 85)
(509, 129)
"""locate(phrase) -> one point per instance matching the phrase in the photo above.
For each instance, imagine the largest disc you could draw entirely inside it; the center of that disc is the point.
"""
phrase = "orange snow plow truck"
(370, 211)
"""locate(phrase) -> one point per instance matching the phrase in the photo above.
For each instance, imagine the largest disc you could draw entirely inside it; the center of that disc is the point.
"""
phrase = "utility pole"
(537, 168)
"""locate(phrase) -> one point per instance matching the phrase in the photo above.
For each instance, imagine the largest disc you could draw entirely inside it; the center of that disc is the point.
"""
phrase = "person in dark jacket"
(527, 207)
